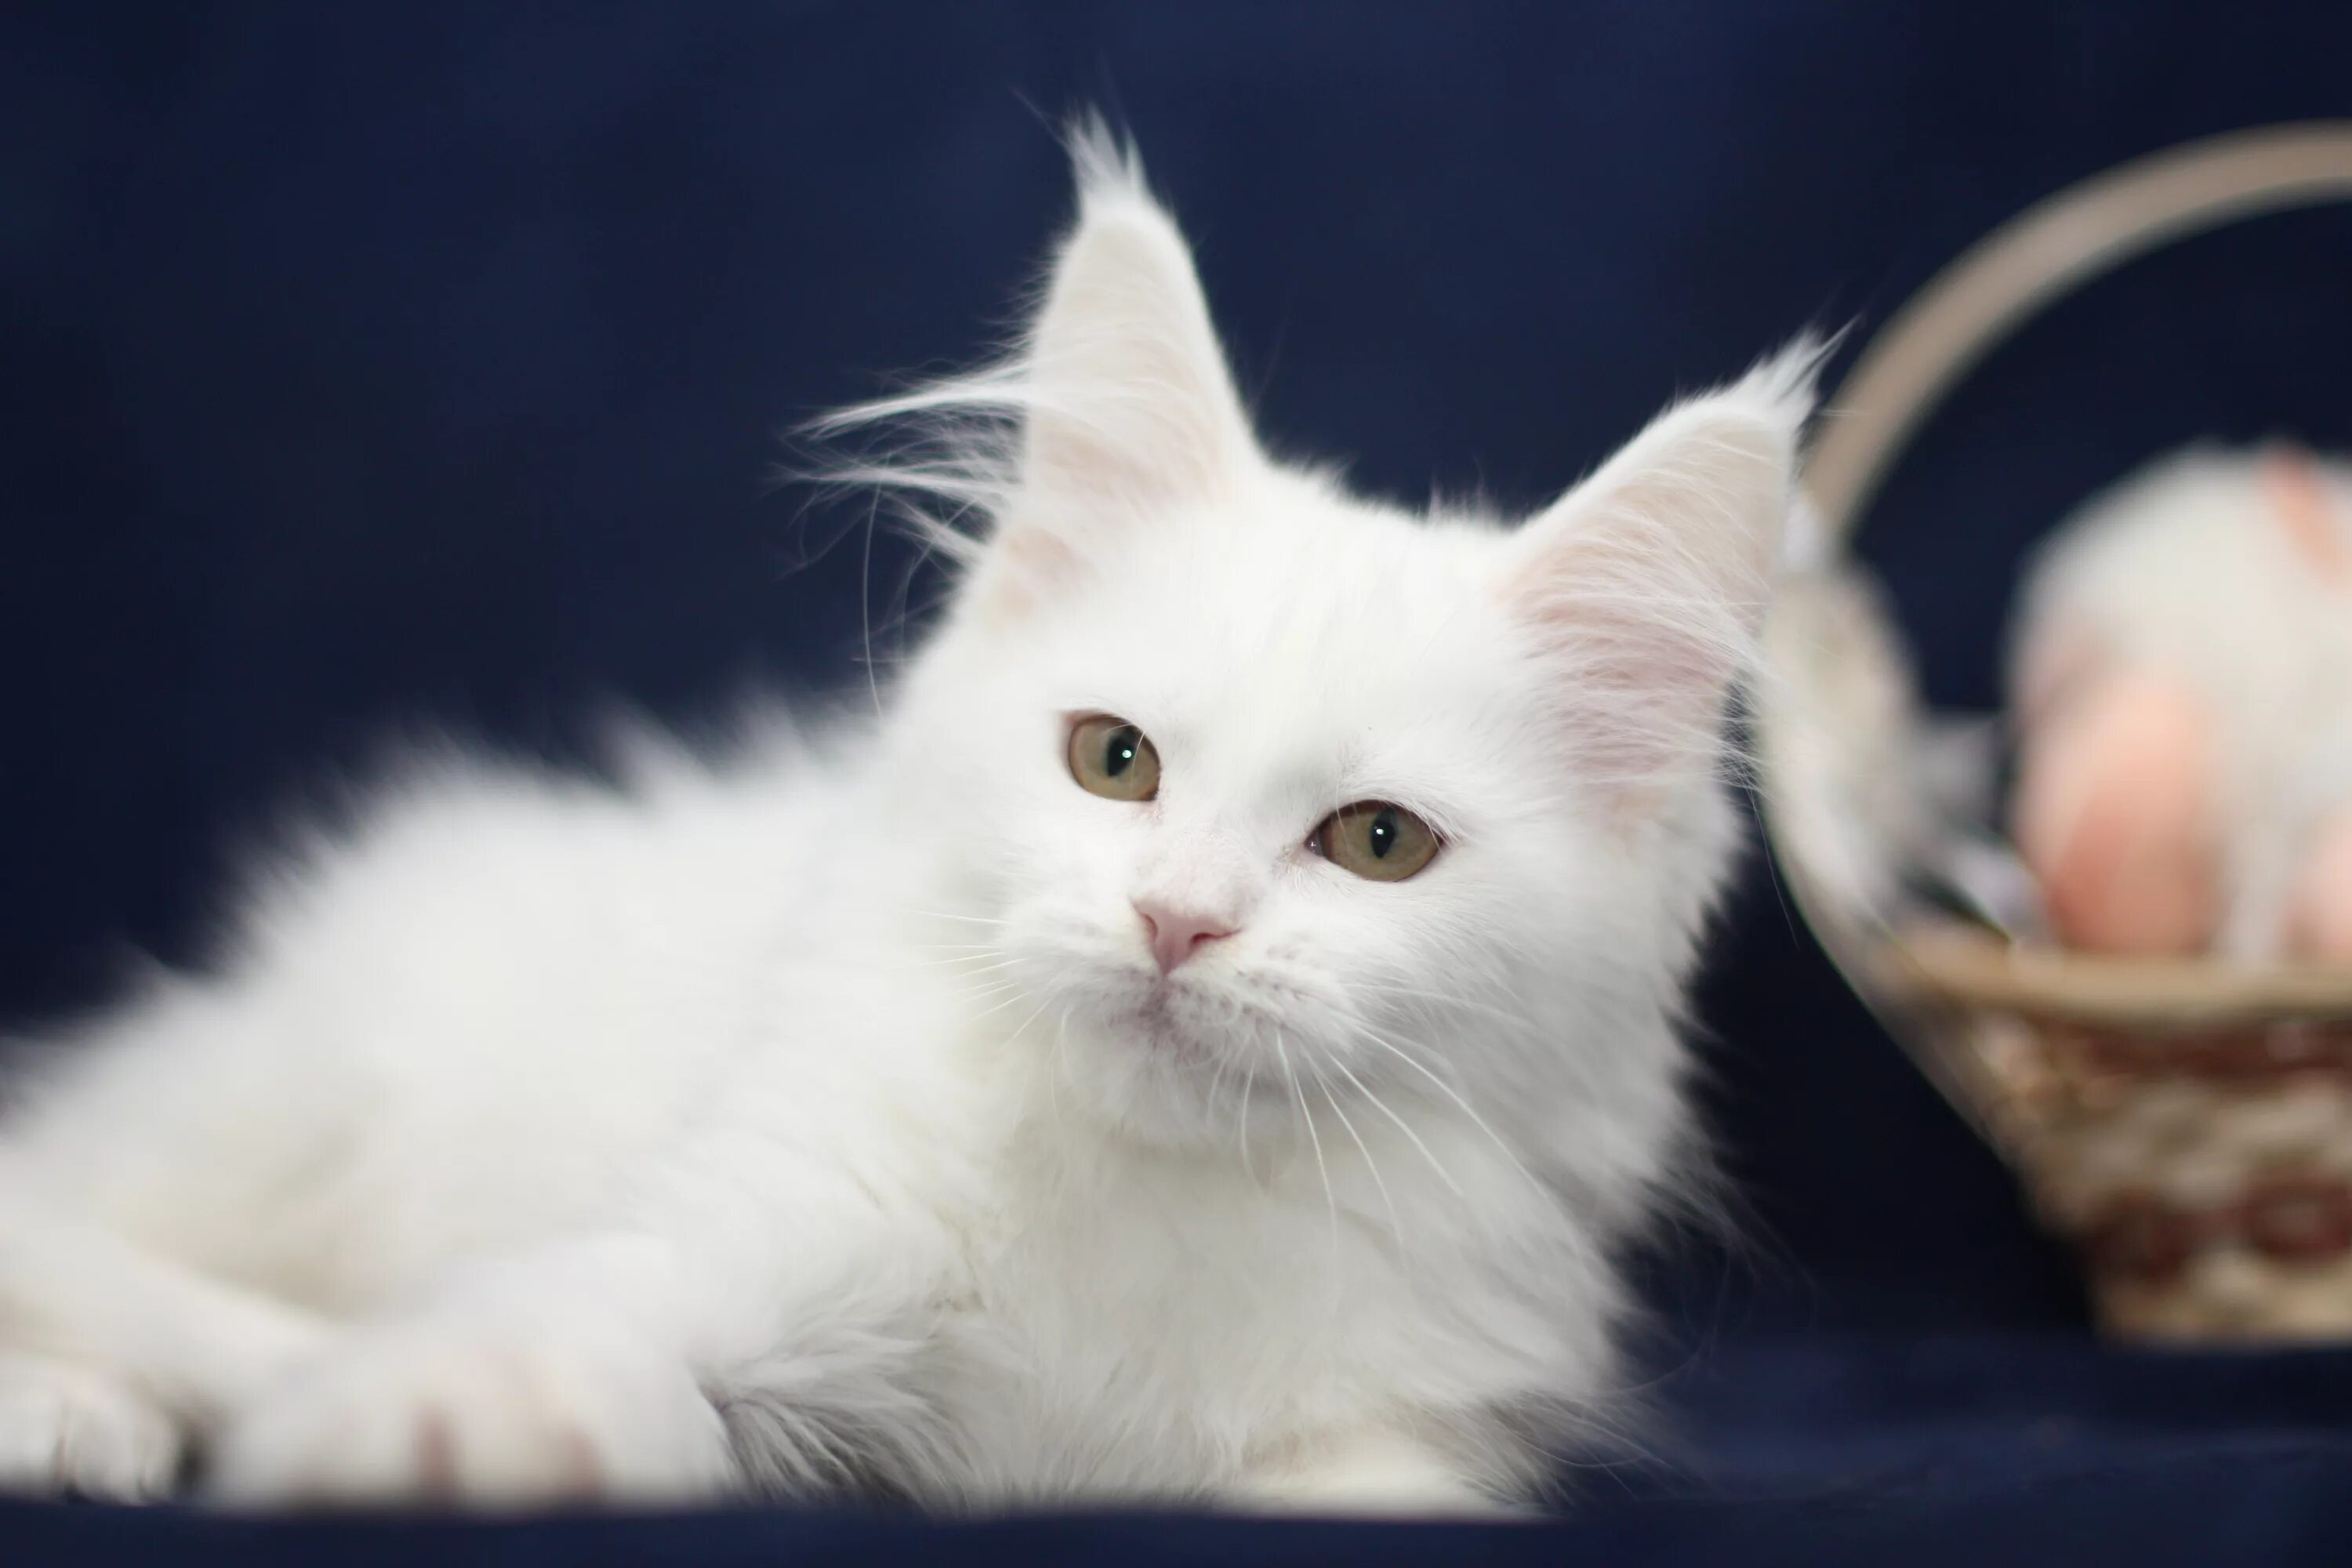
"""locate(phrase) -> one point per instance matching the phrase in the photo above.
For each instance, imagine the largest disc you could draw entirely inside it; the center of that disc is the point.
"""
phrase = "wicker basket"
(2188, 1123)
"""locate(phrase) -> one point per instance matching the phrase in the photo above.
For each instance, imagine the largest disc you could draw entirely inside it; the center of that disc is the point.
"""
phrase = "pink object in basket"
(2116, 815)
(2183, 688)
(2319, 914)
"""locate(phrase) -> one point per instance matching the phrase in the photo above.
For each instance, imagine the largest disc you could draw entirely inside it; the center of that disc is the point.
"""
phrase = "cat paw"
(65, 1429)
(1372, 1475)
(489, 1422)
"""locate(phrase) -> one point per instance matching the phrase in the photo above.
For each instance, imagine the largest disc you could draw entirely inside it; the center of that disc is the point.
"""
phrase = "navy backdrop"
(370, 364)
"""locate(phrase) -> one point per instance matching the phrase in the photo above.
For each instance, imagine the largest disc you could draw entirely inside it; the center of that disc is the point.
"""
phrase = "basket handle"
(2039, 256)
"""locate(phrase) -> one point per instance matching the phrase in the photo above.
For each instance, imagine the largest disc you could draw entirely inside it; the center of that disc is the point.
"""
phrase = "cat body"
(914, 1107)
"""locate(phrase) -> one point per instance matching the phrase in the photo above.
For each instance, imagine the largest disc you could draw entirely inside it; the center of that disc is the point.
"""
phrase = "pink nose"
(1177, 934)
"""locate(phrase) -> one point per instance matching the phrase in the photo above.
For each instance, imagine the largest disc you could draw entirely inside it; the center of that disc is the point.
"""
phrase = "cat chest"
(1105, 1317)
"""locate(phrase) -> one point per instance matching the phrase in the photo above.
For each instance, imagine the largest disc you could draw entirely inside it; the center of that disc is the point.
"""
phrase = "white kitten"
(932, 1109)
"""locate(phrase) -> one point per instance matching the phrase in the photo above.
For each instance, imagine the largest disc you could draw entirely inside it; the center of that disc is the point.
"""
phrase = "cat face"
(1281, 665)
(1265, 796)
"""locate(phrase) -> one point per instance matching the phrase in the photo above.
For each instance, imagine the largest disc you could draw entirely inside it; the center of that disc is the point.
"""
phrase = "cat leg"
(621, 1369)
(111, 1359)
(196, 1346)
(733, 1345)
(132, 1154)
(579, 1409)
(1372, 1472)
(750, 1293)
(555, 1376)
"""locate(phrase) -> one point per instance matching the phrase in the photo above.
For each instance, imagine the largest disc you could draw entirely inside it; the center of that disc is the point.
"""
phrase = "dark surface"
(368, 364)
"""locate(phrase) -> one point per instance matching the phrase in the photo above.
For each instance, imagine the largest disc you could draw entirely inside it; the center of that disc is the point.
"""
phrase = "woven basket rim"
(1955, 963)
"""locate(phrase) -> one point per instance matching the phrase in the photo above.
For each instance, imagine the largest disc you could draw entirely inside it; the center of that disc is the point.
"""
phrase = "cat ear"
(1645, 588)
(1129, 408)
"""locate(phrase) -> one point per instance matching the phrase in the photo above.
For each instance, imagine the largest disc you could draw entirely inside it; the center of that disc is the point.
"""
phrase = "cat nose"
(1176, 933)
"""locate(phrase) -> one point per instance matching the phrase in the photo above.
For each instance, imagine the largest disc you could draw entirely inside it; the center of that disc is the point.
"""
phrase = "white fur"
(818, 1122)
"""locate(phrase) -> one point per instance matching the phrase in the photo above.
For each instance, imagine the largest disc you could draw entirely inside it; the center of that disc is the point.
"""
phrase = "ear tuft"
(1115, 409)
(1131, 408)
(1645, 588)
(1104, 164)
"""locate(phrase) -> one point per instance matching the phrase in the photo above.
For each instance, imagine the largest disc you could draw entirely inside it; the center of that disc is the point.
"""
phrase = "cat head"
(1254, 792)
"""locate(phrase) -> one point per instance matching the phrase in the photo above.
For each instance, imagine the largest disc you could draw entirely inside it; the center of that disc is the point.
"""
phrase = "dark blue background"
(370, 364)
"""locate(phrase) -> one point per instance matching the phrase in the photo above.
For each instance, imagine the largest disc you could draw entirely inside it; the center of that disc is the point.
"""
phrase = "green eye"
(1112, 758)
(1377, 841)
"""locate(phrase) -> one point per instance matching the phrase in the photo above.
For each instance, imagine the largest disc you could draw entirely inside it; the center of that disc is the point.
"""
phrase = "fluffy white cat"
(1206, 1040)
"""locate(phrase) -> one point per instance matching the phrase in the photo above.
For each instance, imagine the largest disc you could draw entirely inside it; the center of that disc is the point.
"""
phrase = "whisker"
(1370, 1165)
(1401, 1124)
(1442, 999)
(996, 993)
(1330, 1198)
(1020, 994)
(1249, 1166)
(1217, 1079)
(1014, 1038)
(960, 968)
(1449, 1091)
(1061, 1066)
(984, 969)
(866, 600)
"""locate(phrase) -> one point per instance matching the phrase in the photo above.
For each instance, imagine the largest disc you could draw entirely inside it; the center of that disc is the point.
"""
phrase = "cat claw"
(67, 1430)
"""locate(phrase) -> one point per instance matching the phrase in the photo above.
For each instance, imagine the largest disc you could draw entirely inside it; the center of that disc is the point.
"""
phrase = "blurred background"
(373, 364)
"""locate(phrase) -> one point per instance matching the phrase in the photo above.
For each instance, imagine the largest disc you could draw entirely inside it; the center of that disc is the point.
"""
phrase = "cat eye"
(1112, 758)
(1380, 842)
